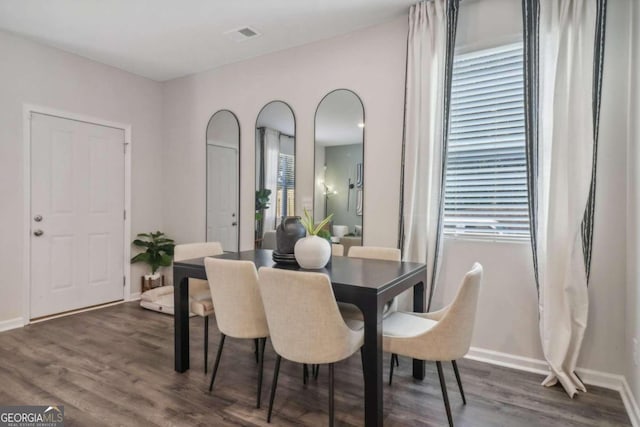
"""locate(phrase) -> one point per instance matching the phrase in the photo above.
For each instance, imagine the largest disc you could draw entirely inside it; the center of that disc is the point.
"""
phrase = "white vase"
(312, 252)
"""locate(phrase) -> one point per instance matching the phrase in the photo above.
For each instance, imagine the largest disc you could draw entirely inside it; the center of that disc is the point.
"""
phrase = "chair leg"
(305, 373)
(206, 343)
(455, 369)
(391, 365)
(256, 343)
(274, 384)
(395, 357)
(215, 366)
(260, 371)
(315, 370)
(331, 408)
(445, 397)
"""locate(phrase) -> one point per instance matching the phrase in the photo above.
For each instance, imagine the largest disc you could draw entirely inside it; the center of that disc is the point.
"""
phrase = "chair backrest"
(303, 316)
(375, 252)
(456, 325)
(236, 298)
(196, 250)
(337, 250)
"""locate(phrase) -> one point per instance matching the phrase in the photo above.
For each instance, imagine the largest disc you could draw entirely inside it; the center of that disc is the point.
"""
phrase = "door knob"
(37, 218)
(38, 233)
(234, 223)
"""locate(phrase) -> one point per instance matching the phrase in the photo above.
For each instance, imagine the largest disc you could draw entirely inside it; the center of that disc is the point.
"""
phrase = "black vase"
(288, 233)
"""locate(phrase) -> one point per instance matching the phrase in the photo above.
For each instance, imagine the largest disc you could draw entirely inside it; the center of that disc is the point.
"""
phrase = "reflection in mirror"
(275, 170)
(223, 167)
(339, 171)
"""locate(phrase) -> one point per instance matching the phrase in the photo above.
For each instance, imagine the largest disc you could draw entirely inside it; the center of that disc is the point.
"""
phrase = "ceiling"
(165, 39)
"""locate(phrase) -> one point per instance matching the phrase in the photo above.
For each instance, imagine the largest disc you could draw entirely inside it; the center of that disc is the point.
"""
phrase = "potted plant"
(262, 203)
(312, 251)
(158, 252)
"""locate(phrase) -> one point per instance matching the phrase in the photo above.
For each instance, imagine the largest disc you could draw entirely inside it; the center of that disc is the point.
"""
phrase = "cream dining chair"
(350, 311)
(443, 335)
(305, 323)
(337, 250)
(199, 293)
(238, 306)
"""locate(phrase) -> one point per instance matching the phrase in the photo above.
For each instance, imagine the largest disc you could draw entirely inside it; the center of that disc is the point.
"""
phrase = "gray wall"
(341, 163)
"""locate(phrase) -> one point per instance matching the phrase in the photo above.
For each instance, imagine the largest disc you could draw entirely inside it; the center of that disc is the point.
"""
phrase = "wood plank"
(114, 366)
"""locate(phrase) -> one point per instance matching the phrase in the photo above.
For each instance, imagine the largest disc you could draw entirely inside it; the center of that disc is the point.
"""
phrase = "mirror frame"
(206, 168)
(315, 125)
(295, 155)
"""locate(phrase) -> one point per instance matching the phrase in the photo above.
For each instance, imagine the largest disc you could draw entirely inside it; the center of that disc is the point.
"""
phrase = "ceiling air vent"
(242, 34)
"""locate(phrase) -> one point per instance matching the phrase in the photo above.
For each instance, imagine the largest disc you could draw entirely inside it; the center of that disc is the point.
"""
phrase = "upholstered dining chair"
(337, 250)
(443, 335)
(305, 323)
(350, 311)
(238, 306)
(199, 293)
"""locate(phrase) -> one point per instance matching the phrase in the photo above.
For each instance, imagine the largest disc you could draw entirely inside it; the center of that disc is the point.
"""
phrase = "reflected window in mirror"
(339, 166)
(275, 170)
(223, 180)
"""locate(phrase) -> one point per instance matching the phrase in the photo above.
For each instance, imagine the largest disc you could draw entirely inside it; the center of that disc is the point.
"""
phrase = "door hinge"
(124, 281)
(124, 148)
(124, 214)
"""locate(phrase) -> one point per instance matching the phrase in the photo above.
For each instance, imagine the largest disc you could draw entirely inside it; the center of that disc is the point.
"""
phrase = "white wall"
(34, 74)
(370, 62)
(632, 370)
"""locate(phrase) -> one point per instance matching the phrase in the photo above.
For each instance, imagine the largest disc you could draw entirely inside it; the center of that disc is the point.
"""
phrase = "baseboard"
(507, 360)
(6, 325)
(135, 296)
(588, 376)
(630, 403)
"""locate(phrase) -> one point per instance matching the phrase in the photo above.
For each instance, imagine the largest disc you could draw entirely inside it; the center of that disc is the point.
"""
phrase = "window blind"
(485, 182)
(285, 197)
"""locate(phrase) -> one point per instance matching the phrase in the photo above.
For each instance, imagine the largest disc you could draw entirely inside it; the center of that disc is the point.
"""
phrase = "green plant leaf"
(322, 224)
(165, 260)
(142, 243)
(143, 257)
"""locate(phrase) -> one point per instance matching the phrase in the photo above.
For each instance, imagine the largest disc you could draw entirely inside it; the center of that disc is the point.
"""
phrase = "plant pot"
(150, 281)
(288, 233)
(312, 252)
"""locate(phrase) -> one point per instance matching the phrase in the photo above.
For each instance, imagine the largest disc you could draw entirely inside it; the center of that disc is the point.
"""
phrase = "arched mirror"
(223, 180)
(339, 165)
(275, 170)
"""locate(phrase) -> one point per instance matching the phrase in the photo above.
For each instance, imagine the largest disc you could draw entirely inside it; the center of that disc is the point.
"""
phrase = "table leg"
(181, 320)
(372, 360)
(418, 307)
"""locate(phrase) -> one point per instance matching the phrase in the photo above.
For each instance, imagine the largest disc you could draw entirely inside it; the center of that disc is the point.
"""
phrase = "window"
(486, 179)
(285, 197)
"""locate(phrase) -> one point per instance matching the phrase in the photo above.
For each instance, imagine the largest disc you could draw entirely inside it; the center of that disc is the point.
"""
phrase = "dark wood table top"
(373, 275)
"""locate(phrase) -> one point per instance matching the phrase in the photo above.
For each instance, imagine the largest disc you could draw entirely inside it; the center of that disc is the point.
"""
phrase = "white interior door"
(77, 215)
(222, 197)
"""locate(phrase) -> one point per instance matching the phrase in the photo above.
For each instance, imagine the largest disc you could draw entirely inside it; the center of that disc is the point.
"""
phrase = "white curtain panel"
(271, 158)
(423, 148)
(566, 143)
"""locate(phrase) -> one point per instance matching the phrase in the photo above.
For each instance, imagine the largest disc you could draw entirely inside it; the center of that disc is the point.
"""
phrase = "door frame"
(27, 110)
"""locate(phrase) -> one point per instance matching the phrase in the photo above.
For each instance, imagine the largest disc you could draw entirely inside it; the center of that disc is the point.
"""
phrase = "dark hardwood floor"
(114, 366)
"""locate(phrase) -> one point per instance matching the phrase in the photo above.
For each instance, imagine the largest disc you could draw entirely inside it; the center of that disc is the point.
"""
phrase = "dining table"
(367, 283)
